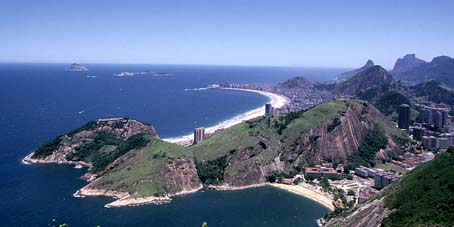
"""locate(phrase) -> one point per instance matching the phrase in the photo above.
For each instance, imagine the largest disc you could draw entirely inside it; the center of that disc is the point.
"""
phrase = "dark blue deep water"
(41, 101)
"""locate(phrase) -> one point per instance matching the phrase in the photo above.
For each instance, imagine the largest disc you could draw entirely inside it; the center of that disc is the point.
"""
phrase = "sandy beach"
(308, 191)
(277, 101)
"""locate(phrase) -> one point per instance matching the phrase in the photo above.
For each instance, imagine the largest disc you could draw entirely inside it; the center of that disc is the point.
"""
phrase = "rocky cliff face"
(128, 160)
(330, 132)
(406, 63)
(325, 143)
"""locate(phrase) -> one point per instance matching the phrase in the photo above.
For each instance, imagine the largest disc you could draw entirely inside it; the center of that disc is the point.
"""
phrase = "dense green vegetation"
(389, 102)
(369, 94)
(278, 176)
(374, 141)
(47, 149)
(212, 171)
(89, 126)
(425, 197)
(137, 141)
(95, 151)
(435, 91)
(324, 183)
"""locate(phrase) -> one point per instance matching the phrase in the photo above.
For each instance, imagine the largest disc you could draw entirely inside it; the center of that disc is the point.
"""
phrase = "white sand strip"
(277, 101)
(310, 192)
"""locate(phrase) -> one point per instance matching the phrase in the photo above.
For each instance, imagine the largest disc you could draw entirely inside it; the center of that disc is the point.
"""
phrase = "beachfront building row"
(320, 171)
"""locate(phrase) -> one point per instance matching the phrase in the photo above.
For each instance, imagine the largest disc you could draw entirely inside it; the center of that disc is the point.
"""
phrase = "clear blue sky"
(232, 32)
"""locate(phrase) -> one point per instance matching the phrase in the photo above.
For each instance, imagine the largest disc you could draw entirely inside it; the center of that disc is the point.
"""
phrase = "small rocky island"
(76, 68)
(127, 160)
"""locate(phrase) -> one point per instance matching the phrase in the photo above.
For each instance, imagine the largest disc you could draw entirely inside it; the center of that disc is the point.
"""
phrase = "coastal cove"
(125, 199)
(43, 194)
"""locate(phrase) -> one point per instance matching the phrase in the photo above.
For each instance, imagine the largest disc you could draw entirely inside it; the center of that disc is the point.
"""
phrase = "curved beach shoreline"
(124, 199)
(277, 101)
(309, 192)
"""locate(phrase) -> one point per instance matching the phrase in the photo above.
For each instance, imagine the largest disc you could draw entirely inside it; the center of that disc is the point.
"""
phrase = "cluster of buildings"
(434, 129)
(324, 170)
(436, 116)
(381, 178)
(444, 141)
(411, 160)
(301, 98)
(365, 193)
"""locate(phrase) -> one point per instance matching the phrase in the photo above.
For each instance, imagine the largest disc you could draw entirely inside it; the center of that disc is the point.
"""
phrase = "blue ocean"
(41, 101)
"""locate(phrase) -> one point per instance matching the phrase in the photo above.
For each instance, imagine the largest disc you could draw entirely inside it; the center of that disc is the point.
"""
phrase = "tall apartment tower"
(268, 109)
(438, 119)
(445, 117)
(199, 135)
(404, 116)
(426, 116)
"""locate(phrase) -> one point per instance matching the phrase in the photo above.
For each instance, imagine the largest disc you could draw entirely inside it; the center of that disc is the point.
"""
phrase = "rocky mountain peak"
(407, 63)
(372, 77)
(297, 82)
(369, 64)
(347, 75)
(442, 59)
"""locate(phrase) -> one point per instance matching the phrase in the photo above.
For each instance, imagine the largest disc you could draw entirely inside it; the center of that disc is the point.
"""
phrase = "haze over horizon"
(292, 33)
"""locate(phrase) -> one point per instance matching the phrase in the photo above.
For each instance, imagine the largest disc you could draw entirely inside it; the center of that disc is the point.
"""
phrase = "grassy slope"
(141, 176)
(233, 141)
(243, 135)
(315, 117)
(236, 145)
(424, 197)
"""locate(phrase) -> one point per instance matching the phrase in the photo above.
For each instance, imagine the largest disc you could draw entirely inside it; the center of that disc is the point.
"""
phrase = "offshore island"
(370, 148)
(76, 68)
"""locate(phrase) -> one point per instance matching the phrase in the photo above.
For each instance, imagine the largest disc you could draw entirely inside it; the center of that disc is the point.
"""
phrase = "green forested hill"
(425, 197)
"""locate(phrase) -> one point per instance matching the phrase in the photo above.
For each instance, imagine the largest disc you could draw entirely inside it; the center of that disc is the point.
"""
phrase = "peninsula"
(128, 161)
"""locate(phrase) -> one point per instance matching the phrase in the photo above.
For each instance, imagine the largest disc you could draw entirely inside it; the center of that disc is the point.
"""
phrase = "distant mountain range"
(407, 63)
(375, 77)
(416, 70)
(347, 75)
(375, 85)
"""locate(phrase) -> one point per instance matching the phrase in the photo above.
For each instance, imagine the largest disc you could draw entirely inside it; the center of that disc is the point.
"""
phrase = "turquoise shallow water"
(41, 101)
